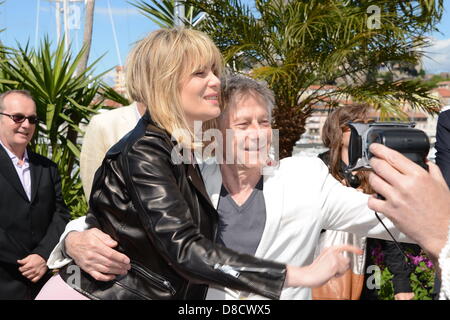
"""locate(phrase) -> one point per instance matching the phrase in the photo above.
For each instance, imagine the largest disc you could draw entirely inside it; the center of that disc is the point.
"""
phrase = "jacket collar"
(36, 173)
(9, 172)
(192, 169)
(273, 197)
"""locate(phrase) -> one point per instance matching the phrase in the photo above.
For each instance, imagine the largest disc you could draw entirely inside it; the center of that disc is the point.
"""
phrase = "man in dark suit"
(32, 210)
(443, 143)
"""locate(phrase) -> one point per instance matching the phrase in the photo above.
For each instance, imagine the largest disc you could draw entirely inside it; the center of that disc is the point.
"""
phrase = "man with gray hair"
(32, 210)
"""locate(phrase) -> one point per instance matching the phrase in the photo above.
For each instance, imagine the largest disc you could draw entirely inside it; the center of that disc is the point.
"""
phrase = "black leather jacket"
(161, 216)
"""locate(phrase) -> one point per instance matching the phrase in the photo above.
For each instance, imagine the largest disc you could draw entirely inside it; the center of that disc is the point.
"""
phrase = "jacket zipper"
(235, 271)
(165, 284)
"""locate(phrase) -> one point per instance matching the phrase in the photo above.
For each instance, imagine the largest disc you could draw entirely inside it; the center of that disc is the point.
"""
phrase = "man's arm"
(346, 209)
(58, 257)
(91, 249)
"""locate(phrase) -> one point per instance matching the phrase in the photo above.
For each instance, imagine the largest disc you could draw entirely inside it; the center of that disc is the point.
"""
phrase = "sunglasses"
(19, 118)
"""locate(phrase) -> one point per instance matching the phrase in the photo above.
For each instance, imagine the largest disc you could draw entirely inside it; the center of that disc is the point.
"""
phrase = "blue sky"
(19, 17)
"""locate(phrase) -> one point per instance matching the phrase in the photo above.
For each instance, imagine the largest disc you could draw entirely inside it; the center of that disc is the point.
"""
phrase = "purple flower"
(378, 255)
(416, 260)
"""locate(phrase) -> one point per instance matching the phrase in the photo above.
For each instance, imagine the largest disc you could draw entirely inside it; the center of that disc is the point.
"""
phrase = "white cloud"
(438, 56)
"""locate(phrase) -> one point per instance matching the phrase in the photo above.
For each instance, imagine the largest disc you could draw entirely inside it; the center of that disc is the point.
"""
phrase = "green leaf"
(49, 115)
(75, 150)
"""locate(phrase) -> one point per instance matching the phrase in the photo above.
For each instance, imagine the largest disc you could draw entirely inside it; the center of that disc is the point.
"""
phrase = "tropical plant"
(109, 93)
(65, 100)
(162, 12)
(296, 44)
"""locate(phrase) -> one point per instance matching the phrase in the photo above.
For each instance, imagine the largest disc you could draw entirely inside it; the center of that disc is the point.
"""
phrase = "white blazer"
(104, 130)
(301, 199)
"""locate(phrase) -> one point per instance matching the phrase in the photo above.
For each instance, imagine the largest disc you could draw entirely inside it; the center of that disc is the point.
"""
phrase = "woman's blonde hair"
(157, 66)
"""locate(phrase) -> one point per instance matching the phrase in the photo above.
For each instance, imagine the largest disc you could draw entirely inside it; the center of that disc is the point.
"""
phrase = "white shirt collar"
(12, 156)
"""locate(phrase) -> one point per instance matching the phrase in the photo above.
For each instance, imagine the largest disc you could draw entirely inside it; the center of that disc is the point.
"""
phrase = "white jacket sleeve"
(57, 258)
(346, 209)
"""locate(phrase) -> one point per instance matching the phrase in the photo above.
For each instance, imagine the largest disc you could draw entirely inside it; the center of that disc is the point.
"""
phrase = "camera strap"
(395, 241)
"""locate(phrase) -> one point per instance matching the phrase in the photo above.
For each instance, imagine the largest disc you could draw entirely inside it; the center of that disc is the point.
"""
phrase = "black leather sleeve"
(166, 216)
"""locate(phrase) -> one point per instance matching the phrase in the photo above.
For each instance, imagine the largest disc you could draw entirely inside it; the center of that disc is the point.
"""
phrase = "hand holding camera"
(417, 201)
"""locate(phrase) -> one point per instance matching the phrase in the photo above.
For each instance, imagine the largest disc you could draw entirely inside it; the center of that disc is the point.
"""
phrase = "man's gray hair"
(25, 93)
(237, 84)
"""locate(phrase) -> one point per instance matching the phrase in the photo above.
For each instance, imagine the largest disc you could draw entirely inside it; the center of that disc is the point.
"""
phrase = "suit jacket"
(28, 227)
(442, 147)
(103, 131)
(301, 199)
(443, 143)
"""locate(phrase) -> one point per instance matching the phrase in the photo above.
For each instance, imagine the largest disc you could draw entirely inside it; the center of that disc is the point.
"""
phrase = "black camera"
(412, 143)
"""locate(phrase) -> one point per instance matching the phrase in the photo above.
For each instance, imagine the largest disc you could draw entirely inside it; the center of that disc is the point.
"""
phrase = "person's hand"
(329, 264)
(33, 267)
(92, 251)
(404, 296)
(416, 201)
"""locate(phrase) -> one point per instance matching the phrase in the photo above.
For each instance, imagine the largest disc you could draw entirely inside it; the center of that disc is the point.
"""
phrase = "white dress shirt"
(22, 168)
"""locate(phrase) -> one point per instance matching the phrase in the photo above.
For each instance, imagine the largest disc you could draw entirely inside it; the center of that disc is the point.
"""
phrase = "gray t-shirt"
(241, 227)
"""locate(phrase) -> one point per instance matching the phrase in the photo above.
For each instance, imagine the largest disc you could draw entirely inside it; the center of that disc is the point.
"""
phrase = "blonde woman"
(155, 207)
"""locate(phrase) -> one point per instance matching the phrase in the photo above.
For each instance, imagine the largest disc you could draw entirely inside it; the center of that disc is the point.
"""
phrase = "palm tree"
(87, 34)
(295, 44)
(163, 12)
